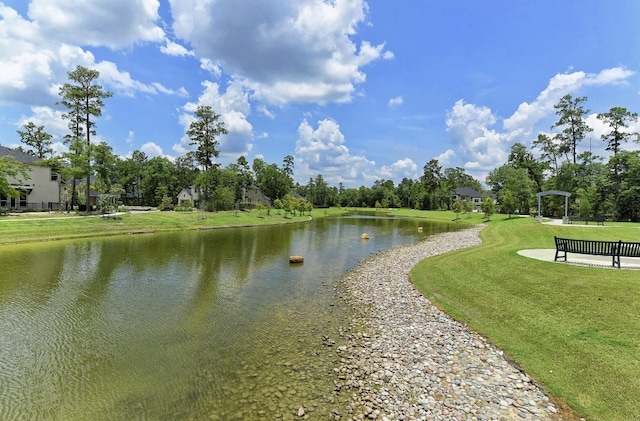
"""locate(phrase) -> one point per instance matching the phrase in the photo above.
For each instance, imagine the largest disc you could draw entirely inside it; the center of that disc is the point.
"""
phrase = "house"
(190, 194)
(253, 196)
(467, 193)
(67, 190)
(40, 191)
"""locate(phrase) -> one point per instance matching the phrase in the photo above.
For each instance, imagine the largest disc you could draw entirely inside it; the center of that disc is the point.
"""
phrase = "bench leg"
(555, 259)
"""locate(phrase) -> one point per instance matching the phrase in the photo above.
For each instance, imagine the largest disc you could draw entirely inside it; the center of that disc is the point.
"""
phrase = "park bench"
(613, 249)
(586, 219)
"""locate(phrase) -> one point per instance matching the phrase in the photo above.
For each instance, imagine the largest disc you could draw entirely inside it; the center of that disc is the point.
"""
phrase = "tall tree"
(105, 163)
(204, 132)
(520, 157)
(550, 151)
(571, 121)
(83, 98)
(431, 180)
(618, 119)
(37, 139)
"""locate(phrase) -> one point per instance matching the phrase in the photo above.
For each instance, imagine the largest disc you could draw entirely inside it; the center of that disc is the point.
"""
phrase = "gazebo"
(554, 193)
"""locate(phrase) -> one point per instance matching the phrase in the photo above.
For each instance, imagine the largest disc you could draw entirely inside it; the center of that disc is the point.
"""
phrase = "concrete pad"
(548, 255)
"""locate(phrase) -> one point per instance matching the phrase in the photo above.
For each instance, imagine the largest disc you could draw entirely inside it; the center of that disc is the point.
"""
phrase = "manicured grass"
(58, 226)
(575, 330)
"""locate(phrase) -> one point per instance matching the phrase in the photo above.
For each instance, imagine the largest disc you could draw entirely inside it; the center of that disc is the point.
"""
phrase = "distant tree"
(431, 180)
(457, 177)
(83, 98)
(507, 202)
(245, 178)
(10, 168)
(618, 119)
(467, 206)
(488, 207)
(550, 151)
(520, 157)
(105, 164)
(515, 180)
(287, 166)
(457, 208)
(224, 198)
(37, 139)
(571, 121)
(204, 132)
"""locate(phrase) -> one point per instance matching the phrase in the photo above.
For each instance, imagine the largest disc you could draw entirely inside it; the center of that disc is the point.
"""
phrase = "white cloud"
(211, 67)
(152, 149)
(284, 51)
(527, 115)
(323, 151)
(446, 157)
(394, 102)
(35, 55)
(124, 84)
(112, 23)
(400, 169)
(481, 147)
(174, 49)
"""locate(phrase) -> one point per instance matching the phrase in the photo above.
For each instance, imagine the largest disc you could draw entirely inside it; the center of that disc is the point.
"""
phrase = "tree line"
(602, 186)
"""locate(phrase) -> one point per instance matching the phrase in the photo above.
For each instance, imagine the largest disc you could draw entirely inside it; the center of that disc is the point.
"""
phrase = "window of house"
(54, 177)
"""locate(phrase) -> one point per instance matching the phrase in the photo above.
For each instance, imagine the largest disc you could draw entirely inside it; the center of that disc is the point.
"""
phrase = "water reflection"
(211, 324)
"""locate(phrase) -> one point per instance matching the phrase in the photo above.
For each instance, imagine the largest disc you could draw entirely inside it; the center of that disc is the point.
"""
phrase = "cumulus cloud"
(481, 147)
(400, 169)
(174, 49)
(284, 51)
(528, 114)
(37, 53)
(112, 23)
(446, 157)
(323, 151)
(152, 149)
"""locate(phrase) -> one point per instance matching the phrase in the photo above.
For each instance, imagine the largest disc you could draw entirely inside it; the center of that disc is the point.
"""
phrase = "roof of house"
(18, 155)
(467, 192)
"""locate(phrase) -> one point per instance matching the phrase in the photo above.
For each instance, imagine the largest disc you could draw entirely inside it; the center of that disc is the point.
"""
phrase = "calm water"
(197, 325)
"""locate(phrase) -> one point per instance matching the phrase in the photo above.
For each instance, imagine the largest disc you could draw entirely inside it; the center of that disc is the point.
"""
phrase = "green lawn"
(57, 226)
(575, 330)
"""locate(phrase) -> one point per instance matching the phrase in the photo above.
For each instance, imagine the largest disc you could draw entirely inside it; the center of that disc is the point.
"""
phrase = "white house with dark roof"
(467, 193)
(40, 191)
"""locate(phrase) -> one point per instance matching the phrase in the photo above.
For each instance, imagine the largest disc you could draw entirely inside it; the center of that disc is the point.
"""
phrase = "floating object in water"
(419, 229)
(296, 259)
(365, 236)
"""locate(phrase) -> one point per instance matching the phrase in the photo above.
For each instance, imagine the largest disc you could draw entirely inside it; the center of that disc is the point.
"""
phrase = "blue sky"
(353, 90)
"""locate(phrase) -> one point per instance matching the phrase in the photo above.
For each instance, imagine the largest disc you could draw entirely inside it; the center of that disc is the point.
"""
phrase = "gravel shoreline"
(407, 360)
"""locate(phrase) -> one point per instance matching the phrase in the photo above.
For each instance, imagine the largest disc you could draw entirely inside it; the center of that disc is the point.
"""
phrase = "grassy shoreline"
(575, 330)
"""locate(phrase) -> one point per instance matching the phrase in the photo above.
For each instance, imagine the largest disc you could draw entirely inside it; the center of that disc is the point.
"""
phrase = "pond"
(194, 325)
